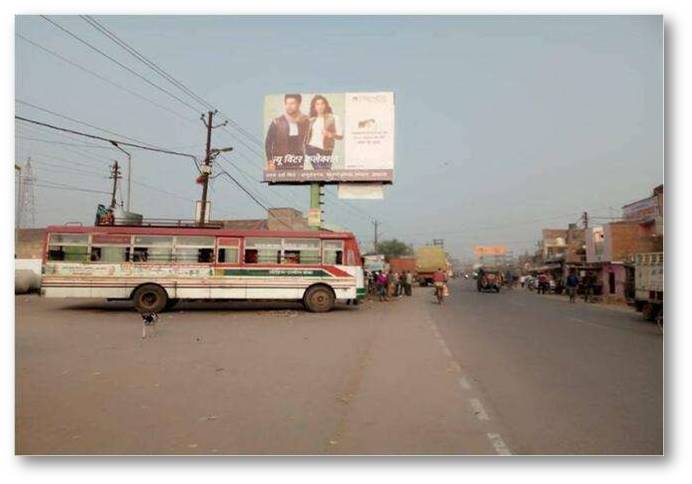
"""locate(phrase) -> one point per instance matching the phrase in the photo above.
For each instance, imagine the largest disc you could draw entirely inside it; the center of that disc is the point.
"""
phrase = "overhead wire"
(105, 79)
(101, 138)
(132, 71)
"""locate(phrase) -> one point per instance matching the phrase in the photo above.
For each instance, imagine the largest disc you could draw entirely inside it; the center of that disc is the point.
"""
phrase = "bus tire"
(319, 299)
(150, 298)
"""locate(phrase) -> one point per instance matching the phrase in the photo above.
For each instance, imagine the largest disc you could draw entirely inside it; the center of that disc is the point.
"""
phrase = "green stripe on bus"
(277, 272)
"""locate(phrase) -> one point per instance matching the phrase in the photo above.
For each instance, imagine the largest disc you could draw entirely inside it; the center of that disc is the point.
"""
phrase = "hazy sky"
(505, 125)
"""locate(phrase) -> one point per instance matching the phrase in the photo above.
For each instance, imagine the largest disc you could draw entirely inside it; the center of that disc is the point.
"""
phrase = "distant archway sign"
(329, 138)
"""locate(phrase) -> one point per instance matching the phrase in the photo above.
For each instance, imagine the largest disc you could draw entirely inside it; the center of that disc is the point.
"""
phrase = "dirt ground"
(243, 378)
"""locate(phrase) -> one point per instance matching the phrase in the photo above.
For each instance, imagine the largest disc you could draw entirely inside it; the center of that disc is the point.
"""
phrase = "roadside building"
(611, 248)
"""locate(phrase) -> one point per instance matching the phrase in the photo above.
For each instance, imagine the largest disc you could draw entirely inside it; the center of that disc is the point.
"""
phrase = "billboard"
(489, 250)
(330, 138)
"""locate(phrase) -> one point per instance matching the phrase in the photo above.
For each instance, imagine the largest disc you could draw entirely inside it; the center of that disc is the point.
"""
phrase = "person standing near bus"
(382, 284)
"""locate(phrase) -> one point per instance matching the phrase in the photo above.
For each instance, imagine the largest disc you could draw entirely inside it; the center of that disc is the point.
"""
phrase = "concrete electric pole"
(206, 166)
(115, 176)
(26, 203)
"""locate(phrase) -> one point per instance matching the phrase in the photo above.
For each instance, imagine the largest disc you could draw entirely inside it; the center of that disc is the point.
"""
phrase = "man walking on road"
(572, 283)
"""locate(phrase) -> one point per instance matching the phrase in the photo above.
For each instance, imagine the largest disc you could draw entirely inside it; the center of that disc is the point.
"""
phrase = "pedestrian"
(381, 281)
(391, 283)
(572, 283)
(588, 286)
(409, 282)
(542, 283)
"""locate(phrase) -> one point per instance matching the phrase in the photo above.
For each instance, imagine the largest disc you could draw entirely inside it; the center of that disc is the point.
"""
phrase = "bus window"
(152, 249)
(228, 255)
(291, 257)
(68, 247)
(190, 249)
(301, 251)
(262, 251)
(333, 252)
(110, 255)
(229, 249)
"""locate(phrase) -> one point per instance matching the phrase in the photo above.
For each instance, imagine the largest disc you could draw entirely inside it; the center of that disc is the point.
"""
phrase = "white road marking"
(445, 348)
(499, 444)
(478, 409)
(464, 383)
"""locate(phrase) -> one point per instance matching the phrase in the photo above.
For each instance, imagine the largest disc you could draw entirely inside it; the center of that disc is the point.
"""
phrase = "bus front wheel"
(319, 299)
(150, 298)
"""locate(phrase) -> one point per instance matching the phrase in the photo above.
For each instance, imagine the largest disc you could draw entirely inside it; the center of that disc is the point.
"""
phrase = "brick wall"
(624, 239)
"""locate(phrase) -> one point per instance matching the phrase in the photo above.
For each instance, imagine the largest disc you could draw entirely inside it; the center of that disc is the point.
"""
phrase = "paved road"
(482, 374)
(559, 377)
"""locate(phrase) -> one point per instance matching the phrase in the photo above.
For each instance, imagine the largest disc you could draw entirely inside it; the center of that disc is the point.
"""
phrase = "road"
(483, 374)
(560, 377)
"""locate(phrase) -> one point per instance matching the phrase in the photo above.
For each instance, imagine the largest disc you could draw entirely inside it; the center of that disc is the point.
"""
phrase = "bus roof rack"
(160, 222)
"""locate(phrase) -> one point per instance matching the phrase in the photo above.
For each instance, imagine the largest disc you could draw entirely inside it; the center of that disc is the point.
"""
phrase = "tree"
(393, 248)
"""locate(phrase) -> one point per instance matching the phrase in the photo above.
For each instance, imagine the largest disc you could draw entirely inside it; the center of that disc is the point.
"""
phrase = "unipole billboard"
(329, 137)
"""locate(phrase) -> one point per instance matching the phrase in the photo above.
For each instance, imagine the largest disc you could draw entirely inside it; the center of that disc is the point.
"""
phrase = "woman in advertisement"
(325, 129)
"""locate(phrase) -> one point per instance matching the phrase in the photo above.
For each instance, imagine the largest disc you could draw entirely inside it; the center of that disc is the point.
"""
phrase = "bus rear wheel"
(319, 299)
(150, 298)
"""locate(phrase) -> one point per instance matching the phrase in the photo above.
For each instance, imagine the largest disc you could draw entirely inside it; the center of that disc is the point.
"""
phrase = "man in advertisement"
(287, 136)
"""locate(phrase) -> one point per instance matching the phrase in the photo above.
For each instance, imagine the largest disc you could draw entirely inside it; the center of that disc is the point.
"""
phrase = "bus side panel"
(275, 293)
(228, 293)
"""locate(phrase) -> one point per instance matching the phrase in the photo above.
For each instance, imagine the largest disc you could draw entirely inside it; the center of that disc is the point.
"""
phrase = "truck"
(648, 285)
(428, 260)
(401, 264)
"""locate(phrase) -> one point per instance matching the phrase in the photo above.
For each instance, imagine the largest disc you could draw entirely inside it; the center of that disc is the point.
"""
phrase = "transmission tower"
(26, 210)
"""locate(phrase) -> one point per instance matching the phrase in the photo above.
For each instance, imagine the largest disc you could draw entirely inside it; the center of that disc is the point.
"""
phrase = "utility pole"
(115, 176)
(206, 167)
(27, 202)
(585, 218)
(18, 208)
(129, 175)
(376, 224)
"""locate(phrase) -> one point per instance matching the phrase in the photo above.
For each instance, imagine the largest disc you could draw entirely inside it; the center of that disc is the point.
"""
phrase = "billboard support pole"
(315, 220)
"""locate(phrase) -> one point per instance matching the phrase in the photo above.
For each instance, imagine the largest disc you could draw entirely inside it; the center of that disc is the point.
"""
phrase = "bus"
(155, 267)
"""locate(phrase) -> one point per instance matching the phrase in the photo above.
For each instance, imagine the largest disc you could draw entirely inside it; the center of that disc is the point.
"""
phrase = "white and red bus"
(155, 267)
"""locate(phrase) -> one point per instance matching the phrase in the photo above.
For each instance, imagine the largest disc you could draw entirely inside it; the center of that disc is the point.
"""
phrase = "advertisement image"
(331, 138)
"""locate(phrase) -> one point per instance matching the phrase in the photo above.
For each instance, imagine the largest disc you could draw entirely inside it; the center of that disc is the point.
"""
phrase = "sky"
(504, 124)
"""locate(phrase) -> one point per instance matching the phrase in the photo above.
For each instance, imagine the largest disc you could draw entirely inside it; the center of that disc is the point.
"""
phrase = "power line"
(149, 63)
(101, 138)
(161, 72)
(84, 123)
(62, 186)
(104, 79)
(54, 142)
(76, 37)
